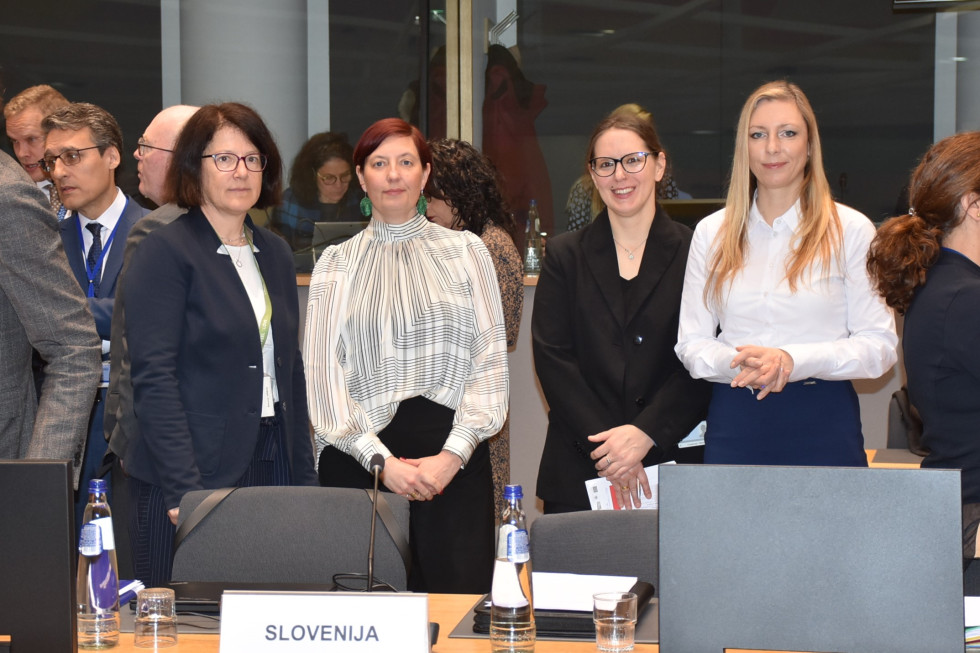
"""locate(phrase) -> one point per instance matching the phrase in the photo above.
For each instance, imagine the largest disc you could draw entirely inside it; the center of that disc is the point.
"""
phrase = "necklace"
(630, 252)
(242, 241)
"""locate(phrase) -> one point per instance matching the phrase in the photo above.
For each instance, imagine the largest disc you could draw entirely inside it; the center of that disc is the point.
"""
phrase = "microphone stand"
(377, 464)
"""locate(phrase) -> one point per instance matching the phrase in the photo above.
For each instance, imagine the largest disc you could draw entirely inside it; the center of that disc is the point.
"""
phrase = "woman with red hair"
(407, 357)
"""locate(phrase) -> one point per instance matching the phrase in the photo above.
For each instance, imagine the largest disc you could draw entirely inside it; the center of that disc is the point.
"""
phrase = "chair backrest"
(289, 535)
(609, 542)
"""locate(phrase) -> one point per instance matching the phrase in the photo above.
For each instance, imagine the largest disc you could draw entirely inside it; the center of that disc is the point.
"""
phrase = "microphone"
(377, 464)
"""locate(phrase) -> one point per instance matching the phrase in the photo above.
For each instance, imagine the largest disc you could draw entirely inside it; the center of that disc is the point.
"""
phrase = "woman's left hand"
(629, 484)
(765, 368)
(622, 448)
(435, 472)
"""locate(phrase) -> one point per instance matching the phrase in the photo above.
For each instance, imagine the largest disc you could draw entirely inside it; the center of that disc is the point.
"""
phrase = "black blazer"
(197, 360)
(604, 363)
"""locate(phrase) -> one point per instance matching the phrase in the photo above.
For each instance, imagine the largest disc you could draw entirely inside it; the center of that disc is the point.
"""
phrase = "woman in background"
(926, 264)
(778, 310)
(407, 358)
(604, 327)
(212, 323)
(319, 190)
(463, 194)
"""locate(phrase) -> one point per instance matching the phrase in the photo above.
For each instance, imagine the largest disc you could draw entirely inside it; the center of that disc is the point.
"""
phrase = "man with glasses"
(82, 149)
(40, 306)
(24, 114)
(153, 156)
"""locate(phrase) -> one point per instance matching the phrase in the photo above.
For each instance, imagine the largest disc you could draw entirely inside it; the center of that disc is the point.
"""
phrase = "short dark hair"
(468, 182)
(375, 135)
(315, 152)
(79, 115)
(184, 174)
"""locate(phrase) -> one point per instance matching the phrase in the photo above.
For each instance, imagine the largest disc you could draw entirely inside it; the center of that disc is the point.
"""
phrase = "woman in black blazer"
(213, 331)
(604, 328)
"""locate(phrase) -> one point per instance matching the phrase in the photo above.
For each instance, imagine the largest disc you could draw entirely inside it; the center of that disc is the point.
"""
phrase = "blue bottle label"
(90, 541)
(517, 546)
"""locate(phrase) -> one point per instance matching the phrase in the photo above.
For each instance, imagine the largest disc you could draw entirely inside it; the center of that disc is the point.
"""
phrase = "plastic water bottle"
(98, 575)
(533, 251)
(511, 611)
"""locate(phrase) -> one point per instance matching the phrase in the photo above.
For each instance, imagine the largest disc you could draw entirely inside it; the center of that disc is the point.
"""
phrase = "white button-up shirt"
(835, 326)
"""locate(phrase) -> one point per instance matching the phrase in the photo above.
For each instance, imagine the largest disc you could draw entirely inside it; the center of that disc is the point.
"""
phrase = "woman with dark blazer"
(604, 327)
(212, 325)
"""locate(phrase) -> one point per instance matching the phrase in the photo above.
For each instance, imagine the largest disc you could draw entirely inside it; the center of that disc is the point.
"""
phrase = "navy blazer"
(197, 360)
(604, 360)
(102, 305)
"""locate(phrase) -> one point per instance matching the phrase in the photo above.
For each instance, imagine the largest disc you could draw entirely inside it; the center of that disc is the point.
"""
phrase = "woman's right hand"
(422, 479)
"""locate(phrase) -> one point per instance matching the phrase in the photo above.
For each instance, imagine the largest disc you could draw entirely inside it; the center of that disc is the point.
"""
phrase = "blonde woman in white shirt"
(777, 308)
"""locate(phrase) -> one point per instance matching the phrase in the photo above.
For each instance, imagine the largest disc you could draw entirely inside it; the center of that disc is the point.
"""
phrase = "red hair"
(376, 134)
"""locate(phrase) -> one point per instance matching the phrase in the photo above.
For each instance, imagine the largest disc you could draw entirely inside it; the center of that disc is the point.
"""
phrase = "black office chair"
(302, 535)
(606, 542)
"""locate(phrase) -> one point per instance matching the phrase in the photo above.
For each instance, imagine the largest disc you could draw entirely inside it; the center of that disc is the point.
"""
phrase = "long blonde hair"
(819, 234)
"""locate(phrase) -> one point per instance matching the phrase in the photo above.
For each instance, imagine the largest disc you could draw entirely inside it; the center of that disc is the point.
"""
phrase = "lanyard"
(266, 321)
(90, 272)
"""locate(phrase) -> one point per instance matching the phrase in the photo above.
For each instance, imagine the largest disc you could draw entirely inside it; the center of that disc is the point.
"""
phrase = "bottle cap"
(513, 492)
(97, 486)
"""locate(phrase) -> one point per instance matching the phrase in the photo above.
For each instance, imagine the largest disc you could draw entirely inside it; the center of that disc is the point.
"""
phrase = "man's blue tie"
(94, 252)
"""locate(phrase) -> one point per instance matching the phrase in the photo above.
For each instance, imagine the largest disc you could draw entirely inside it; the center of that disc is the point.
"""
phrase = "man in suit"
(40, 306)
(153, 155)
(24, 114)
(82, 149)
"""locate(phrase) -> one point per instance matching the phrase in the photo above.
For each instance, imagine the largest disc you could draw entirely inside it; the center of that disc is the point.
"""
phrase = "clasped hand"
(619, 459)
(420, 479)
(765, 369)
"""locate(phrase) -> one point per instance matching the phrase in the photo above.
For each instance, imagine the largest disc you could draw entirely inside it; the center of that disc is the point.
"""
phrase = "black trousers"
(451, 536)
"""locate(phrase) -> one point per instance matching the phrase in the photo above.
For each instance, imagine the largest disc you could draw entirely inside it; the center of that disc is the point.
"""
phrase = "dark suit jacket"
(197, 360)
(603, 362)
(120, 422)
(102, 305)
(41, 307)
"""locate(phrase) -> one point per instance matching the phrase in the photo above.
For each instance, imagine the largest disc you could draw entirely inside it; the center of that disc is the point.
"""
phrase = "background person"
(463, 194)
(604, 327)
(407, 358)
(320, 190)
(212, 324)
(926, 264)
(781, 272)
(23, 115)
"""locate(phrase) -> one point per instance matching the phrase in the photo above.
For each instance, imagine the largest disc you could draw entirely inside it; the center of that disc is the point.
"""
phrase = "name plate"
(339, 622)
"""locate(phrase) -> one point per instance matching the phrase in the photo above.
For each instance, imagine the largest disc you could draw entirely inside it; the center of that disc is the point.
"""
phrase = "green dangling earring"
(421, 206)
(366, 206)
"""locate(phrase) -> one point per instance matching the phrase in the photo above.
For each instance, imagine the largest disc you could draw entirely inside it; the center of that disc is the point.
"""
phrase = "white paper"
(574, 591)
(971, 610)
(602, 496)
(695, 437)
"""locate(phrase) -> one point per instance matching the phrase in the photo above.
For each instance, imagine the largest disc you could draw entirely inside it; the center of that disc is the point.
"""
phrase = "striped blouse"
(400, 311)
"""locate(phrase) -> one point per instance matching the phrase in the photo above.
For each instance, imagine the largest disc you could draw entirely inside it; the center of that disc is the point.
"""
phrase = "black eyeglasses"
(605, 166)
(68, 157)
(226, 161)
(143, 147)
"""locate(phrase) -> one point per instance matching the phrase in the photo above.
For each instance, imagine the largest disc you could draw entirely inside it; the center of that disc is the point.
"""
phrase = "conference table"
(445, 609)
(449, 609)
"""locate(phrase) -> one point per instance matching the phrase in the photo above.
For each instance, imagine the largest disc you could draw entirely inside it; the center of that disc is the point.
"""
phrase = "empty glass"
(156, 618)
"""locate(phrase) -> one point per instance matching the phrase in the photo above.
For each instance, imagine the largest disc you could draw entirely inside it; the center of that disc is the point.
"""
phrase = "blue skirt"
(811, 422)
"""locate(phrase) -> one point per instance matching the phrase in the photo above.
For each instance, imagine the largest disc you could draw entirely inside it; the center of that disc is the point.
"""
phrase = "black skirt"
(451, 536)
